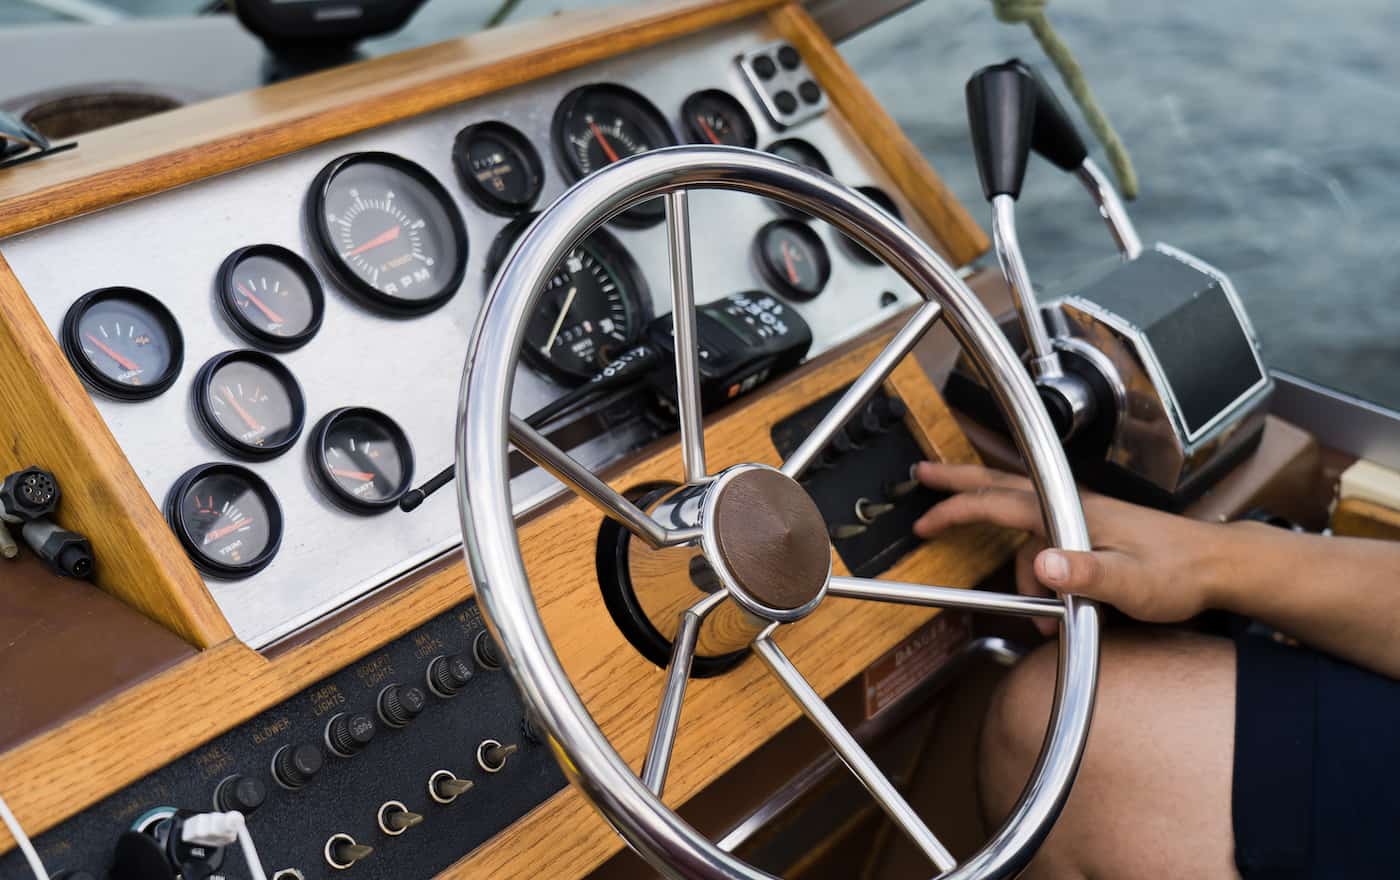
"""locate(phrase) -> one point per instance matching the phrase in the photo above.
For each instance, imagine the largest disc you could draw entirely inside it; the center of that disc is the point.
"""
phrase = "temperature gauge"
(597, 125)
(361, 459)
(227, 519)
(499, 167)
(123, 342)
(792, 258)
(716, 117)
(271, 297)
(250, 404)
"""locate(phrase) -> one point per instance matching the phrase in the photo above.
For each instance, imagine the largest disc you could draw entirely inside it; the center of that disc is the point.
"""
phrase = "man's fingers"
(1009, 508)
(1027, 584)
(1101, 574)
(966, 477)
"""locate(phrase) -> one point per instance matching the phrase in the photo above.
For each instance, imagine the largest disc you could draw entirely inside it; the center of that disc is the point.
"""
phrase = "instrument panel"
(278, 348)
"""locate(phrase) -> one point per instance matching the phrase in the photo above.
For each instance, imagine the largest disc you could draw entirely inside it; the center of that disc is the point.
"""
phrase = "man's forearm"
(1340, 595)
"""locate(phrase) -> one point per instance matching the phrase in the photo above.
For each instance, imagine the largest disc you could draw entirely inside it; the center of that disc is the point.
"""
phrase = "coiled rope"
(1032, 13)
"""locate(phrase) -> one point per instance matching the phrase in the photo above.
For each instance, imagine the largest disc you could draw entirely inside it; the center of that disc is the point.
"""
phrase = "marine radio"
(1152, 372)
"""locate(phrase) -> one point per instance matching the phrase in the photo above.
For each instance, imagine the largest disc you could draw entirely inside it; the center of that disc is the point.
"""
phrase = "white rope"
(22, 839)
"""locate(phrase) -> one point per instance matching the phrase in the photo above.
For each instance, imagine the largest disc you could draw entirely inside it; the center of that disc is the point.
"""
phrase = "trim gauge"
(227, 519)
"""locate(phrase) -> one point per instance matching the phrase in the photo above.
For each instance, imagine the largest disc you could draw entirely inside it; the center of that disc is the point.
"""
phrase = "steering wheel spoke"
(862, 389)
(668, 714)
(686, 336)
(899, 593)
(850, 752)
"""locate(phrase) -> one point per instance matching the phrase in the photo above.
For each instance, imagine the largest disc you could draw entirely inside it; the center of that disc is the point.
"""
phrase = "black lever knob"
(1053, 134)
(1001, 113)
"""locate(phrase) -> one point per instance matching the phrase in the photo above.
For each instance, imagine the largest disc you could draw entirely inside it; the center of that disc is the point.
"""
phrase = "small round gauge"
(716, 117)
(594, 306)
(498, 166)
(123, 342)
(361, 459)
(270, 296)
(599, 124)
(249, 403)
(885, 203)
(389, 232)
(227, 519)
(792, 258)
(804, 154)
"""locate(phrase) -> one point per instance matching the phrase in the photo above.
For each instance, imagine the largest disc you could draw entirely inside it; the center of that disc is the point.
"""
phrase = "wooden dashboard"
(50, 421)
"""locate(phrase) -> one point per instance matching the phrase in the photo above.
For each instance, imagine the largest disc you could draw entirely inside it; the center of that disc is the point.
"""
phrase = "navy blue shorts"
(1317, 766)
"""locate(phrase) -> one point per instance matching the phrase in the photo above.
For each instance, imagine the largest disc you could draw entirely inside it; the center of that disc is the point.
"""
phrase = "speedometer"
(389, 232)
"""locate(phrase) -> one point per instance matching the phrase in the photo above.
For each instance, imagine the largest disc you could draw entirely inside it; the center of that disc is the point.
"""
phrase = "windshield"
(1266, 151)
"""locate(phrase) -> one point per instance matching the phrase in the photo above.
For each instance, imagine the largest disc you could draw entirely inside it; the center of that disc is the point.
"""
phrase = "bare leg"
(1153, 795)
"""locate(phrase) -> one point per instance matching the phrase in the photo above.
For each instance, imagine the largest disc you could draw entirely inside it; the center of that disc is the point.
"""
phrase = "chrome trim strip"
(1339, 420)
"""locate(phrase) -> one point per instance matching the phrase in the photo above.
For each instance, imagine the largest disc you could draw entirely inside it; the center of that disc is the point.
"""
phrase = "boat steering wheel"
(748, 522)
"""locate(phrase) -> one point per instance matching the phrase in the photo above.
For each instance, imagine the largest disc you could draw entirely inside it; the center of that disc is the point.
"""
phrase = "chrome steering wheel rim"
(491, 543)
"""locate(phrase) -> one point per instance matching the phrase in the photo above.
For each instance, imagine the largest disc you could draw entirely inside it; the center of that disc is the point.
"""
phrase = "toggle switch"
(444, 786)
(342, 852)
(395, 818)
(843, 531)
(897, 489)
(492, 756)
(868, 511)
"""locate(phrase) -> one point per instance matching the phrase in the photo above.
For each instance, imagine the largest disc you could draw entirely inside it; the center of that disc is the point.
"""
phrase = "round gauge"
(716, 117)
(885, 203)
(270, 296)
(123, 343)
(804, 154)
(499, 167)
(361, 459)
(227, 519)
(599, 124)
(388, 232)
(792, 258)
(594, 306)
(249, 403)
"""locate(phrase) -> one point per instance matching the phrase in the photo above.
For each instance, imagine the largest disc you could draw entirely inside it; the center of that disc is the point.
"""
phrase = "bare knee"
(1014, 730)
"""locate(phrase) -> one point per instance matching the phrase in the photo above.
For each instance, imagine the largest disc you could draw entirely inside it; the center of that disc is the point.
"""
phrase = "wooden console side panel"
(47, 419)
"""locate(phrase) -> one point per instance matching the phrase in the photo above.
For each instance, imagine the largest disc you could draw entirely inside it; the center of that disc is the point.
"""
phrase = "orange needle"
(271, 315)
(607, 147)
(125, 364)
(709, 132)
(791, 267)
(384, 237)
(354, 475)
(242, 413)
(227, 530)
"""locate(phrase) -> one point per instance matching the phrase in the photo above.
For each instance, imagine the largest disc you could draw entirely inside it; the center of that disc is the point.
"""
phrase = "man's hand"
(1152, 566)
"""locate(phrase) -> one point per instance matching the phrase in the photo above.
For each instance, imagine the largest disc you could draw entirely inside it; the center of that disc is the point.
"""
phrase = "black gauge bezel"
(885, 203)
(95, 378)
(293, 261)
(327, 483)
(773, 276)
(534, 166)
(215, 431)
(648, 213)
(202, 562)
(611, 251)
(347, 277)
(818, 163)
(697, 136)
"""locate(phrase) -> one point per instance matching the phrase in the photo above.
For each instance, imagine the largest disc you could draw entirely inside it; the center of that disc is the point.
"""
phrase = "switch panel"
(783, 84)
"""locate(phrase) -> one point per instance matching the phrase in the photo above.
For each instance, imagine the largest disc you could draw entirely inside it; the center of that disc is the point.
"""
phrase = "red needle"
(125, 364)
(791, 267)
(709, 132)
(384, 237)
(354, 475)
(607, 147)
(227, 530)
(271, 315)
(242, 413)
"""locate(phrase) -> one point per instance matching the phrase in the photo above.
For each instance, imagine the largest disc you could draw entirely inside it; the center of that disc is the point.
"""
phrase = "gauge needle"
(227, 530)
(709, 132)
(607, 147)
(365, 476)
(125, 364)
(271, 315)
(384, 237)
(559, 321)
(242, 413)
(791, 266)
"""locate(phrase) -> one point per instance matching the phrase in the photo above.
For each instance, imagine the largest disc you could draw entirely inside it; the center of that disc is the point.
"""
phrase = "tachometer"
(123, 342)
(599, 124)
(389, 232)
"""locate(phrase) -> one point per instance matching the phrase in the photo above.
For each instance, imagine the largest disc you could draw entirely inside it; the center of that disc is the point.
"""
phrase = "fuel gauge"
(227, 519)
(123, 342)
(792, 258)
(361, 459)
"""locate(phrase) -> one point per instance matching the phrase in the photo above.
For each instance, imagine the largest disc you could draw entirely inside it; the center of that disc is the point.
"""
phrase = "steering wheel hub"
(767, 541)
